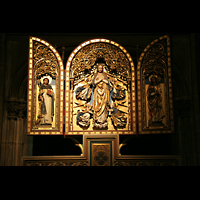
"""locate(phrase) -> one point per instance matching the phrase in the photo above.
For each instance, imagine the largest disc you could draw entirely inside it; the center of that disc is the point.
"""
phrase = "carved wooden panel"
(45, 89)
(54, 161)
(100, 89)
(101, 154)
(154, 88)
(148, 160)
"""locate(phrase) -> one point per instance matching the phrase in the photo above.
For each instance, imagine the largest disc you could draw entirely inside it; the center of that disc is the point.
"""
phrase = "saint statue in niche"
(100, 94)
(46, 102)
(154, 97)
(101, 98)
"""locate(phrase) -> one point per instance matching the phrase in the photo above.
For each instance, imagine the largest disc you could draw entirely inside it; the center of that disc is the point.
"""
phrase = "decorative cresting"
(154, 84)
(100, 89)
(45, 89)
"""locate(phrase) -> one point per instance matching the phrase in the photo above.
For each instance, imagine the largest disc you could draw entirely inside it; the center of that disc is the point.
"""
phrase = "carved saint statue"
(154, 97)
(101, 98)
(46, 102)
(101, 92)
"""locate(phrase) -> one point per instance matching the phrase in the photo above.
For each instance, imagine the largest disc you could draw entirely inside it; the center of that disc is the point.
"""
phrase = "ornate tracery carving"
(88, 55)
(45, 61)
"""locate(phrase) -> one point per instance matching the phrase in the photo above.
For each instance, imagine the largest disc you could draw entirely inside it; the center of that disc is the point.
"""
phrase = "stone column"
(14, 133)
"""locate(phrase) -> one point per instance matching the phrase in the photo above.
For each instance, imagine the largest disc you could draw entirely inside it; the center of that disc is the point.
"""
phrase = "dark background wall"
(184, 142)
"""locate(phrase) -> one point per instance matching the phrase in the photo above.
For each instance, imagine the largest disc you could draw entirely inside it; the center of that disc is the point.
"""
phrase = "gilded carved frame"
(44, 61)
(85, 56)
(154, 88)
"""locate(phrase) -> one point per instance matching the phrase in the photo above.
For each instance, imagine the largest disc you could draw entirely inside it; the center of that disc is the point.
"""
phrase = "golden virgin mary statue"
(100, 92)
(101, 98)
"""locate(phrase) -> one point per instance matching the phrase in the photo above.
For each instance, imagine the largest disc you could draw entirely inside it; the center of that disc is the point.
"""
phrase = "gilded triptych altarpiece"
(96, 92)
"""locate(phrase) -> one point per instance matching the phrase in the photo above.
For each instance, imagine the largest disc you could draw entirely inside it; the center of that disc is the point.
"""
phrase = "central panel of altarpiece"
(100, 90)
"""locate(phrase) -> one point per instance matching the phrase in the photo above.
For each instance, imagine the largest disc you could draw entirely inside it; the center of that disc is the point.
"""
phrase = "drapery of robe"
(101, 101)
(47, 103)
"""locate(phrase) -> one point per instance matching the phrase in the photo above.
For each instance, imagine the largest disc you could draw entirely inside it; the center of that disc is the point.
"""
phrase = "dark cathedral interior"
(177, 148)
